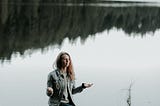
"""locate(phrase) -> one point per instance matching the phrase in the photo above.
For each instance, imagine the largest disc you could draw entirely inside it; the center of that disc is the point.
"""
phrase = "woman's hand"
(50, 90)
(87, 85)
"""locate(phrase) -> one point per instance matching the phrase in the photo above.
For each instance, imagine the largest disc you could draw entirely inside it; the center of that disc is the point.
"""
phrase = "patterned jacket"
(56, 81)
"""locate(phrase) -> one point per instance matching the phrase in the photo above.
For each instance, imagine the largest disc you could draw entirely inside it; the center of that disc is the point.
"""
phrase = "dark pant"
(65, 104)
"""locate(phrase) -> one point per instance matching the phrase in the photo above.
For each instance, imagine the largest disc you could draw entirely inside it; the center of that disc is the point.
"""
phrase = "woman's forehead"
(65, 56)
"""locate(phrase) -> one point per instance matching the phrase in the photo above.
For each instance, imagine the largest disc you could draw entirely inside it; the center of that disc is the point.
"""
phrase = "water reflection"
(30, 27)
(110, 62)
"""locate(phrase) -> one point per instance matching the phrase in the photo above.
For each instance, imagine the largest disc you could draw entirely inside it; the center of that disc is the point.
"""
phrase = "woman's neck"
(64, 69)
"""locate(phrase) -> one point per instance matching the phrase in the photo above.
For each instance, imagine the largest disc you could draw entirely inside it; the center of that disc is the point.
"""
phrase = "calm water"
(111, 47)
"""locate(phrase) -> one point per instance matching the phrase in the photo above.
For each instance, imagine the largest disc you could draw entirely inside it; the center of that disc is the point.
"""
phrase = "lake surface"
(112, 46)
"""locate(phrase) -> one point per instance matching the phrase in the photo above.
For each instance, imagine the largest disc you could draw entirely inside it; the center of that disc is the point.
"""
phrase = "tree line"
(25, 27)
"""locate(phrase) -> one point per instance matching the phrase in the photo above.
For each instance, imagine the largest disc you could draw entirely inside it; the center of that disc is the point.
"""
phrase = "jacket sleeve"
(49, 84)
(77, 89)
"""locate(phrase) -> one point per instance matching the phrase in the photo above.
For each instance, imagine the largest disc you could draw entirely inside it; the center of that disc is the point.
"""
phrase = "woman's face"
(65, 60)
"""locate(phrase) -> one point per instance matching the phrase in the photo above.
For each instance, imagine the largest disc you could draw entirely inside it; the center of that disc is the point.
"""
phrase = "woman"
(61, 82)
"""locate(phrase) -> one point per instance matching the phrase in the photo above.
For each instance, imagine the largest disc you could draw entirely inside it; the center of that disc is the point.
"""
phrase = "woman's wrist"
(83, 85)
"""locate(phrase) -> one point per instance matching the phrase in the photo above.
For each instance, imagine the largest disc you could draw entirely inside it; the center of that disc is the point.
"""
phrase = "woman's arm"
(80, 88)
(49, 90)
(77, 89)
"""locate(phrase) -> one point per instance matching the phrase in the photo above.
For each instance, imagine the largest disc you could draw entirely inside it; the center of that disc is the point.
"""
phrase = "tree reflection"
(24, 27)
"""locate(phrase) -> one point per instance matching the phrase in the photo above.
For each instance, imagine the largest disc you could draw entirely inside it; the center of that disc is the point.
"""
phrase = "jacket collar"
(59, 73)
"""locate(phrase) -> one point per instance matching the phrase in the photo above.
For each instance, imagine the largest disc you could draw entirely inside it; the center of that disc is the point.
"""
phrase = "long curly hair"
(70, 70)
